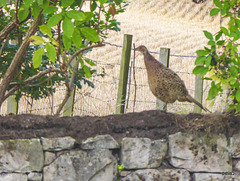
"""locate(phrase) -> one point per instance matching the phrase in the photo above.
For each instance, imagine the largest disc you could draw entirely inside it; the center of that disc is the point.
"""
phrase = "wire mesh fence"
(101, 100)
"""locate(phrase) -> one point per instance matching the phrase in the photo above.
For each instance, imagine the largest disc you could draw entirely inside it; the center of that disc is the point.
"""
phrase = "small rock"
(212, 176)
(58, 144)
(100, 142)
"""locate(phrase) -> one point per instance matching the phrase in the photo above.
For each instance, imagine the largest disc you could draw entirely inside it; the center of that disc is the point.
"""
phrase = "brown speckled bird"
(165, 84)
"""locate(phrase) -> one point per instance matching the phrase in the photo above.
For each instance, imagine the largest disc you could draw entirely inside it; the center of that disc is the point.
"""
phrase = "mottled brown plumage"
(165, 84)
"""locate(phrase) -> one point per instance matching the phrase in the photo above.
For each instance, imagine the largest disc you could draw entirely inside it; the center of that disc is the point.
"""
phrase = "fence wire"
(101, 100)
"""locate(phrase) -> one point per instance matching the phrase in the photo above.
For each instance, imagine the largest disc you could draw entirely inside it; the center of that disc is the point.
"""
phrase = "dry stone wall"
(181, 157)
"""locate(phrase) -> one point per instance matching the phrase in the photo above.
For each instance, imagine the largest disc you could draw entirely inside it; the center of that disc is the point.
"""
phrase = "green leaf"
(35, 10)
(27, 3)
(51, 52)
(238, 95)
(3, 3)
(23, 14)
(221, 42)
(208, 60)
(213, 91)
(224, 30)
(54, 20)
(102, 1)
(90, 34)
(37, 57)
(87, 71)
(76, 37)
(68, 27)
(198, 69)
(37, 40)
(49, 10)
(208, 35)
(200, 60)
(46, 30)
(90, 62)
(201, 52)
(211, 43)
(93, 6)
(77, 15)
(66, 3)
(40, 2)
(214, 11)
(218, 3)
(218, 35)
(67, 42)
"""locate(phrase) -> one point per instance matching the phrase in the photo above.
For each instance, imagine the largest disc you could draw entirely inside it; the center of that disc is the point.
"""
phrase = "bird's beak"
(136, 49)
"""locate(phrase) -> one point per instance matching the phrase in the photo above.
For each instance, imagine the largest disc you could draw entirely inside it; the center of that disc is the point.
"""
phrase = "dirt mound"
(147, 124)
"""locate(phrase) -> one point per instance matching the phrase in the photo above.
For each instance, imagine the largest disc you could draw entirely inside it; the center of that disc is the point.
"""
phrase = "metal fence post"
(123, 77)
(164, 59)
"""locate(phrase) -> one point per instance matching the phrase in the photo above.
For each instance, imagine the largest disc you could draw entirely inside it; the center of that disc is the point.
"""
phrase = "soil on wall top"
(148, 124)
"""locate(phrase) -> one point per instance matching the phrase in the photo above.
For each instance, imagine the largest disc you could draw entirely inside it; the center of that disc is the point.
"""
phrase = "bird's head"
(142, 49)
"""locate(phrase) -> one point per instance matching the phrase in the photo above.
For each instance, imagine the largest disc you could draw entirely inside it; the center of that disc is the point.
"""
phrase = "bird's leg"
(165, 107)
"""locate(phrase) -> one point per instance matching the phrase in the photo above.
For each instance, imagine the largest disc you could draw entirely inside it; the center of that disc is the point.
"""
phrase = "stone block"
(142, 153)
(58, 144)
(200, 154)
(22, 155)
(13, 177)
(100, 142)
(80, 165)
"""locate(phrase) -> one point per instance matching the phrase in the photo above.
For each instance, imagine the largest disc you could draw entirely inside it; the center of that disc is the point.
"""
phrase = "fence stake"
(122, 85)
(12, 105)
(198, 92)
(164, 59)
(68, 107)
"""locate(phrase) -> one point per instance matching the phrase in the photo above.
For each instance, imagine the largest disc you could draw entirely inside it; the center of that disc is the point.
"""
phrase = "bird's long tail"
(191, 99)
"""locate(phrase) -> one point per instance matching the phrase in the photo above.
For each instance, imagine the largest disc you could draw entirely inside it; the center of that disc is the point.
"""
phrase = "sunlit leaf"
(46, 30)
(214, 11)
(23, 14)
(77, 15)
(37, 57)
(90, 62)
(37, 40)
(35, 10)
(238, 95)
(51, 52)
(76, 37)
(87, 71)
(90, 34)
(208, 35)
(3, 2)
(68, 27)
(66, 3)
(67, 42)
(54, 20)
(224, 30)
(102, 1)
(201, 52)
(213, 91)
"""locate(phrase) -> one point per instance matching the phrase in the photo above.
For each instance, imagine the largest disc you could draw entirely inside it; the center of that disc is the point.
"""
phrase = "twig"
(134, 78)
(100, 44)
(69, 89)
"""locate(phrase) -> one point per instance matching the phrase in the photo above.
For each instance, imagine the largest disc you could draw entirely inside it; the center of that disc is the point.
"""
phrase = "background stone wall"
(182, 157)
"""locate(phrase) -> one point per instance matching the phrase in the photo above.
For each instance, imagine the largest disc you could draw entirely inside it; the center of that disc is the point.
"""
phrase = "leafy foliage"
(65, 28)
(220, 59)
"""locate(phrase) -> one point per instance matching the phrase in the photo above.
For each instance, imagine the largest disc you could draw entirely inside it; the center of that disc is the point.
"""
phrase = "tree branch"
(8, 76)
(69, 90)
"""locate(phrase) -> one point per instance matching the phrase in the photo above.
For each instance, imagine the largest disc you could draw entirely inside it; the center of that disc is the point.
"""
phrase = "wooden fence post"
(164, 59)
(12, 105)
(68, 107)
(123, 77)
(198, 92)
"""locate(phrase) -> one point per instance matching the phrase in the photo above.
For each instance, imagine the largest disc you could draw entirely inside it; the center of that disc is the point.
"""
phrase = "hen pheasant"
(165, 84)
